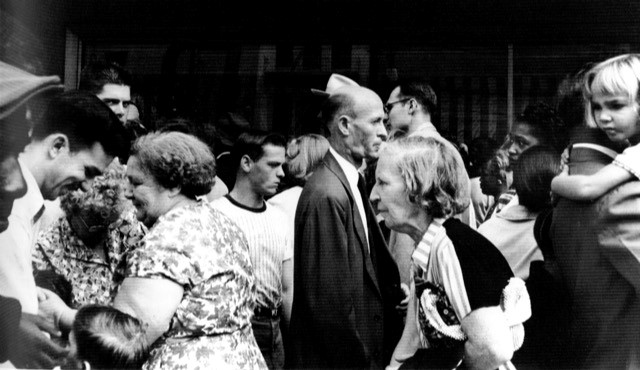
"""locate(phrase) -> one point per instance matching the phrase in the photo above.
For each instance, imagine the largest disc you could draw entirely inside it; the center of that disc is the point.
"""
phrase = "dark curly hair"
(546, 125)
(175, 160)
(532, 176)
(104, 201)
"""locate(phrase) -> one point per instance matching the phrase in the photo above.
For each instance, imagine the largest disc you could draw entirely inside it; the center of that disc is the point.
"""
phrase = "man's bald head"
(348, 101)
(354, 116)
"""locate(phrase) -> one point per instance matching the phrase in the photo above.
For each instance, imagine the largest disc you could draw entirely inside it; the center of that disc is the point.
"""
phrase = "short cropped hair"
(619, 75)
(175, 159)
(422, 92)
(305, 154)
(109, 339)
(433, 173)
(95, 75)
(337, 105)
(85, 120)
(532, 176)
(104, 201)
(252, 144)
(546, 125)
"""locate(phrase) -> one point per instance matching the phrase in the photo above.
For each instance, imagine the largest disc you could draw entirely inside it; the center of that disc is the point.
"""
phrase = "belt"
(267, 312)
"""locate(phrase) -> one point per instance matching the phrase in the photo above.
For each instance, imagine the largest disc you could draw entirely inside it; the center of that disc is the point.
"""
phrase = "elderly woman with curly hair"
(191, 279)
(457, 310)
(86, 250)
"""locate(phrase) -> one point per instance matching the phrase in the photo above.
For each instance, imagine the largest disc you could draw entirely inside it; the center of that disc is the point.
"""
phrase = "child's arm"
(583, 187)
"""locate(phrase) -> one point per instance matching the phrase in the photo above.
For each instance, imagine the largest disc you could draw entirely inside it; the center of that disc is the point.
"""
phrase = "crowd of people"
(382, 244)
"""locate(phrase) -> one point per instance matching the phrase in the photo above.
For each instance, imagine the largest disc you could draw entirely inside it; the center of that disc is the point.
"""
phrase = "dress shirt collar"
(350, 171)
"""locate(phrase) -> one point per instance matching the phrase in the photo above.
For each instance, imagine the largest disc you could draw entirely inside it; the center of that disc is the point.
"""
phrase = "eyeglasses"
(93, 229)
(389, 106)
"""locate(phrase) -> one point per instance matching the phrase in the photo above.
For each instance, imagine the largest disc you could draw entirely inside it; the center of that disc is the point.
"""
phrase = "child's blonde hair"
(614, 76)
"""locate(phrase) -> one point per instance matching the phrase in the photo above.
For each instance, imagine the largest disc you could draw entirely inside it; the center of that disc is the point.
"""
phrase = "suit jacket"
(597, 246)
(344, 297)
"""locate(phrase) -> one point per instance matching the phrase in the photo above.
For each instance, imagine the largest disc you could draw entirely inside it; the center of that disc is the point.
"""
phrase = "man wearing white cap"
(346, 284)
(21, 339)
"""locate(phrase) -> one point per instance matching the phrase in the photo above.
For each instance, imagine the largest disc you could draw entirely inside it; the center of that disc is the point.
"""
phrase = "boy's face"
(617, 116)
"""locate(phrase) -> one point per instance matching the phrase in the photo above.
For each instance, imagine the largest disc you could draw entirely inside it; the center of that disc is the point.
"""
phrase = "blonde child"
(611, 91)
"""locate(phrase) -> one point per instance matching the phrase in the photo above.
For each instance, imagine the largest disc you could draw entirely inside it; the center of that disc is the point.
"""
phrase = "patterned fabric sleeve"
(630, 160)
(46, 243)
(166, 251)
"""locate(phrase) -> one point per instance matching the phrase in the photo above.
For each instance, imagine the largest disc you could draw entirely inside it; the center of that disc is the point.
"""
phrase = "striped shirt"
(270, 244)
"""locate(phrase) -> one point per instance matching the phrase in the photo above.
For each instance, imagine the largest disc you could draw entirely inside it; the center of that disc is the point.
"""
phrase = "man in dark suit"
(597, 246)
(346, 284)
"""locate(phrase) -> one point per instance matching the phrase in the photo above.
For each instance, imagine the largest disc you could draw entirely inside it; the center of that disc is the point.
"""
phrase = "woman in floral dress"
(191, 279)
(87, 249)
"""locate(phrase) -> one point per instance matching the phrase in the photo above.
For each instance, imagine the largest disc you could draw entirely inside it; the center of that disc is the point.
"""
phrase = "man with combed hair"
(346, 284)
(409, 109)
(259, 157)
(111, 84)
(73, 141)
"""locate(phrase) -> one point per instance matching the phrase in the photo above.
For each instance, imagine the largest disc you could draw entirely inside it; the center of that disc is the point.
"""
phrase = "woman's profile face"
(521, 138)
(150, 199)
(389, 195)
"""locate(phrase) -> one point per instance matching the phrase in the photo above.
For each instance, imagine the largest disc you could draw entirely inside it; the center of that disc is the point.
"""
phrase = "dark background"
(200, 59)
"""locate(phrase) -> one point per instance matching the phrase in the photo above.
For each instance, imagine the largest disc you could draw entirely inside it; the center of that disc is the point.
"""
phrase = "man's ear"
(56, 145)
(246, 163)
(173, 192)
(413, 106)
(343, 125)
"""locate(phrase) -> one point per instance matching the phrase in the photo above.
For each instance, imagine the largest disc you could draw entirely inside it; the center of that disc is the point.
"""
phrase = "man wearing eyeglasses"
(409, 109)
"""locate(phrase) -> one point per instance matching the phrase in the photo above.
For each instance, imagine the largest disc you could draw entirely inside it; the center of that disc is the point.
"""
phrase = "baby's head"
(107, 338)
(617, 76)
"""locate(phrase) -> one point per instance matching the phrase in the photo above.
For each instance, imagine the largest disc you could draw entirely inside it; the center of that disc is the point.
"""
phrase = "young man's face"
(266, 172)
(398, 117)
(72, 170)
(118, 98)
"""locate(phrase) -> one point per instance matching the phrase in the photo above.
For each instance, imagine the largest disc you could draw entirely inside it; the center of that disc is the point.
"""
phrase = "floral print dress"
(202, 250)
(93, 279)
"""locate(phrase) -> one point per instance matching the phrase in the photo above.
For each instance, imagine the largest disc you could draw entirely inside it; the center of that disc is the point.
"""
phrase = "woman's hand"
(53, 309)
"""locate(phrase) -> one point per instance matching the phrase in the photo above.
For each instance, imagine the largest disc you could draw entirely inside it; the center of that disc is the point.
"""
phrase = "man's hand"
(31, 348)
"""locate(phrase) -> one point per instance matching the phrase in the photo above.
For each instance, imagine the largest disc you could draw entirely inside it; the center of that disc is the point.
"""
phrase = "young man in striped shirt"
(259, 158)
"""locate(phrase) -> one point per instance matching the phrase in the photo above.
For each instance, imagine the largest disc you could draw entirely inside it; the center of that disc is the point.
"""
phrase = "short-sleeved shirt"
(267, 232)
(92, 278)
(629, 159)
(206, 253)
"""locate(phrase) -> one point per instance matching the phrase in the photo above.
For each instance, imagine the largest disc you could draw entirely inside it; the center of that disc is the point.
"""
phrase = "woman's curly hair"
(104, 201)
(175, 159)
(433, 172)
